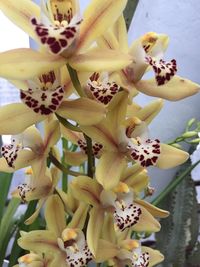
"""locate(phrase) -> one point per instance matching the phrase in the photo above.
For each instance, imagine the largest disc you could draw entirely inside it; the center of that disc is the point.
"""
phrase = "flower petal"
(109, 169)
(136, 177)
(32, 218)
(75, 158)
(55, 215)
(108, 232)
(70, 135)
(106, 251)
(149, 112)
(25, 63)
(83, 110)
(52, 134)
(155, 256)
(96, 23)
(39, 241)
(120, 31)
(79, 217)
(156, 212)
(176, 89)
(86, 189)
(146, 222)
(94, 229)
(171, 157)
(16, 117)
(97, 60)
(21, 14)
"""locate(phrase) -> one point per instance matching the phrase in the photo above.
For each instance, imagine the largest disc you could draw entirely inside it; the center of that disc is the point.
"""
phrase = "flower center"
(10, 152)
(102, 91)
(146, 152)
(96, 147)
(45, 95)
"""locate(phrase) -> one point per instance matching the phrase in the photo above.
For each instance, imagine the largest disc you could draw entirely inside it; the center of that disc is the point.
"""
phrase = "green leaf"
(16, 250)
(7, 227)
(129, 11)
(5, 181)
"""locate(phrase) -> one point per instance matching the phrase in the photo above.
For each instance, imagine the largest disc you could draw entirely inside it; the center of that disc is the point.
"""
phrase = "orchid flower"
(33, 260)
(128, 252)
(126, 139)
(43, 96)
(127, 210)
(66, 243)
(29, 149)
(59, 29)
(147, 52)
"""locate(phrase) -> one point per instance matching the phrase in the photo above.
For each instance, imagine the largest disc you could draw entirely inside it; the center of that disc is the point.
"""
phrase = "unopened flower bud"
(191, 122)
(189, 134)
(195, 141)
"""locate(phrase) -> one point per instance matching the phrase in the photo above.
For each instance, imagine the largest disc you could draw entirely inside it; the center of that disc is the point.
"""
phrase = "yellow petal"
(101, 134)
(146, 223)
(16, 117)
(39, 241)
(108, 41)
(176, 89)
(100, 60)
(79, 217)
(94, 229)
(25, 63)
(70, 203)
(136, 177)
(32, 218)
(75, 158)
(55, 215)
(70, 135)
(96, 23)
(106, 250)
(86, 189)
(133, 109)
(156, 212)
(83, 110)
(108, 232)
(120, 32)
(109, 169)
(21, 14)
(121, 79)
(52, 134)
(149, 112)
(171, 157)
(155, 256)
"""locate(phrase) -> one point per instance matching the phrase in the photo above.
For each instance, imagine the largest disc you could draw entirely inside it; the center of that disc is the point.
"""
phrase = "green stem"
(75, 81)
(90, 167)
(64, 175)
(173, 184)
(67, 124)
(62, 167)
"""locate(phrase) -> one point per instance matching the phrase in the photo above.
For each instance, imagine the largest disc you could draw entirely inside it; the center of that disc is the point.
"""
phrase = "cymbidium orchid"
(147, 52)
(66, 242)
(29, 149)
(128, 252)
(126, 209)
(33, 260)
(63, 33)
(126, 139)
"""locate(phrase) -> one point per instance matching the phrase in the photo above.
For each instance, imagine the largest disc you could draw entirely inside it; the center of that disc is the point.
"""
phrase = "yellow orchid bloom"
(29, 149)
(43, 96)
(126, 209)
(33, 260)
(66, 243)
(147, 52)
(120, 250)
(58, 28)
(126, 139)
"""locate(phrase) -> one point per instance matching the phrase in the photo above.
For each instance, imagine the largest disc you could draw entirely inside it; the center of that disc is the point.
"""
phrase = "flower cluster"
(80, 85)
